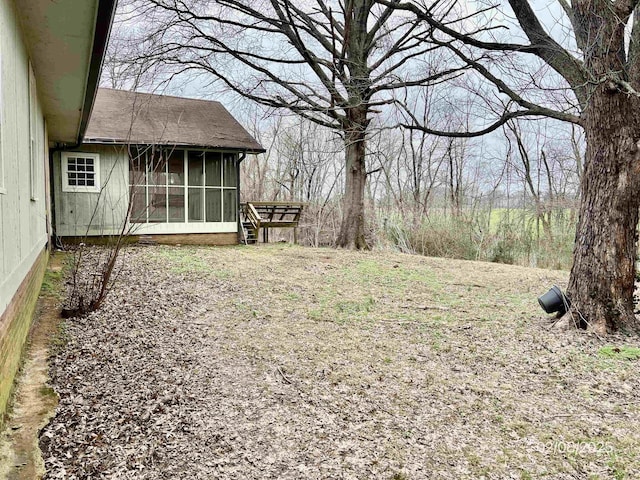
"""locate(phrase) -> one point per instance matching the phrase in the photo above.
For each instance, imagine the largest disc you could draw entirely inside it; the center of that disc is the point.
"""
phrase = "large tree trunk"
(602, 278)
(353, 225)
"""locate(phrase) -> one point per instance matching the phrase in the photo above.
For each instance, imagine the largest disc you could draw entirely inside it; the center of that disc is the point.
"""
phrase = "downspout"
(52, 201)
(242, 156)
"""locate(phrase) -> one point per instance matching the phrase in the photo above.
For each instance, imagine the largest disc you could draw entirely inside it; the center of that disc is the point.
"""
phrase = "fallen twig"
(284, 377)
(427, 307)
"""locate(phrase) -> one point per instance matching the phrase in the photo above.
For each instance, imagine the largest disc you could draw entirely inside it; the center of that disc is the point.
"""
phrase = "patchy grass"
(54, 276)
(47, 391)
(290, 362)
(59, 338)
(185, 260)
(620, 353)
(52, 282)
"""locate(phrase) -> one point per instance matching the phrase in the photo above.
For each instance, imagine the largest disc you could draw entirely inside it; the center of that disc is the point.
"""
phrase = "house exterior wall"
(23, 195)
(87, 213)
(80, 214)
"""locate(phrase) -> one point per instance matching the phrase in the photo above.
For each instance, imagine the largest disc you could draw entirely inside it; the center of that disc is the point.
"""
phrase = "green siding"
(13, 339)
(79, 214)
(23, 221)
(23, 216)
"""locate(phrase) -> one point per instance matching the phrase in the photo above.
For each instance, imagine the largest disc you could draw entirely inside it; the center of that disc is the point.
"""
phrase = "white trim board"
(150, 229)
(184, 228)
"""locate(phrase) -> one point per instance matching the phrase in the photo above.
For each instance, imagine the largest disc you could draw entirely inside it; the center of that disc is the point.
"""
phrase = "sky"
(248, 113)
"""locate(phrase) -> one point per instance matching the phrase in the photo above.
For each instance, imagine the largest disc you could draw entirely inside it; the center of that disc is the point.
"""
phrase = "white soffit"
(60, 36)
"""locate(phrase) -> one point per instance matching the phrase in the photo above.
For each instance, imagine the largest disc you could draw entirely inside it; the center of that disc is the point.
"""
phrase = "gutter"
(115, 141)
(104, 20)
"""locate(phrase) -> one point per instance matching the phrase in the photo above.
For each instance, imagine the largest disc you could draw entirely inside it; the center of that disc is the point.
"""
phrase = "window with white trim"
(80, 172)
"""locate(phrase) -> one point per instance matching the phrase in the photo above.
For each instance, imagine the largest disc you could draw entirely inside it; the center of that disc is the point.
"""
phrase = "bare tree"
(422, 158)
(336, 63)
(530, 169)
(119, 71)
(601, 67)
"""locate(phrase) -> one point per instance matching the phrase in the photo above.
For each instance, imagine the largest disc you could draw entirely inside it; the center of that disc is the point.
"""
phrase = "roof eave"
(104, 21)
(108, 141)
(66, 41)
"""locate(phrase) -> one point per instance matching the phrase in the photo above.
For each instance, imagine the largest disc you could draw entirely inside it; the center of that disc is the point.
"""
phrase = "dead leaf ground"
(290, 362)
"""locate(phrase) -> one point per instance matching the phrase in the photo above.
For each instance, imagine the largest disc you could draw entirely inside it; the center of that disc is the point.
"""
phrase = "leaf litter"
(291, 362)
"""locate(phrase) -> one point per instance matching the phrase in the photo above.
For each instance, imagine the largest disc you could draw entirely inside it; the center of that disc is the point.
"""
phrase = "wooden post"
(295, 235)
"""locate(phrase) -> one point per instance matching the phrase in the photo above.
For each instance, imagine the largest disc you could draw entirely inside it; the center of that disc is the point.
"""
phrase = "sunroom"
(171, 172)
(184, 191)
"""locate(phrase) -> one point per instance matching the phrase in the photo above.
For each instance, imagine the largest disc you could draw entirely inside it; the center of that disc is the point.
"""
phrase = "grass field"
(504, 236)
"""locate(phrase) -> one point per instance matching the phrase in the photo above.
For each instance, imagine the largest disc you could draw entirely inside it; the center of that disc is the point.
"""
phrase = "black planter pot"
(554, 301)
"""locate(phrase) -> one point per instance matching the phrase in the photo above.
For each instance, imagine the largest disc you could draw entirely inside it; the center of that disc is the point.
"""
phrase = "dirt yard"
(283, 362)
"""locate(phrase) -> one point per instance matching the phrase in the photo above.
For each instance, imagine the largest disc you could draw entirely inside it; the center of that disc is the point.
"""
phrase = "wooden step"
(250, 236)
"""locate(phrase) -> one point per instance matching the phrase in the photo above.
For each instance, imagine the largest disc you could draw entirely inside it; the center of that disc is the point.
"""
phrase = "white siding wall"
(80, 214)
(23, 220)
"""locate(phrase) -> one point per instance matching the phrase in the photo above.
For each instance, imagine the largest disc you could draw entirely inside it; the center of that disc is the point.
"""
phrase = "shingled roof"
(120, 116)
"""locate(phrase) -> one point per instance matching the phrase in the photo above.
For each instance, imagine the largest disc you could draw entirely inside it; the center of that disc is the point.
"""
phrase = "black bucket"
(554, 301)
